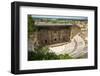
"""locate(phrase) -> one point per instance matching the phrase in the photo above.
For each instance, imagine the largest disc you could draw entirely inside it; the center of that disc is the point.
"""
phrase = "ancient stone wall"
(52, 36)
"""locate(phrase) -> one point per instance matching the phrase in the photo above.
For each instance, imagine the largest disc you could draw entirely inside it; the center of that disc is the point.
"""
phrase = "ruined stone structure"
(48, 35)
(56, 32)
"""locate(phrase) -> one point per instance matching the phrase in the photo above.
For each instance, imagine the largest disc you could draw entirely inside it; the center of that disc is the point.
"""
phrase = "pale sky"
(61, 17)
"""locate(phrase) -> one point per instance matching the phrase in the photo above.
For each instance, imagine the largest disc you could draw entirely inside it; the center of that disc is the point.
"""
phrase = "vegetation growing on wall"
(31, 25)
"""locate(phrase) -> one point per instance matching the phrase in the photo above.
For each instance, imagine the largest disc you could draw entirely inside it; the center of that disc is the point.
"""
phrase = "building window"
(45, 41)
(55, 39)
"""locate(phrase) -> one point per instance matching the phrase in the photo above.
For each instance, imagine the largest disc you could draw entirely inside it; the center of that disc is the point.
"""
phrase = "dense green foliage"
(31, 27)
(42, 53)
